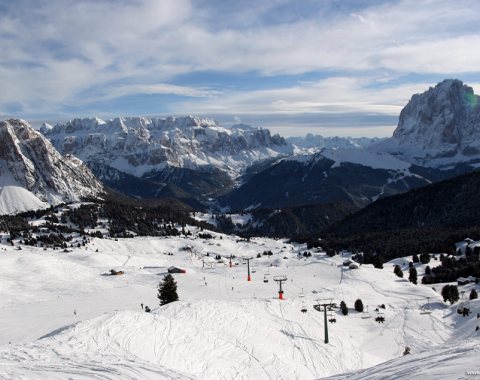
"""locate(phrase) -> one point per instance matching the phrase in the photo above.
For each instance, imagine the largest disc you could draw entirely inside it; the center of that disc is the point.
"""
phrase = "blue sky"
(332, 67)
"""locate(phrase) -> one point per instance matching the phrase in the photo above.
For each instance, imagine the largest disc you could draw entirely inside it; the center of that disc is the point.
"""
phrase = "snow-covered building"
(466, 280)
(173, 269)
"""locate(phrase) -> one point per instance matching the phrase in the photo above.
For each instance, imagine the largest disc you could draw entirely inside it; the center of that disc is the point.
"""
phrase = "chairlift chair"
(366, 314)
(331, 317)
(423, 310)
(304, 307)
(380, 318)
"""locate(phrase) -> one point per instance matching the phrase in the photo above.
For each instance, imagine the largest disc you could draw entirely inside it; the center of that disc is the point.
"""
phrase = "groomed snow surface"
(63, 317)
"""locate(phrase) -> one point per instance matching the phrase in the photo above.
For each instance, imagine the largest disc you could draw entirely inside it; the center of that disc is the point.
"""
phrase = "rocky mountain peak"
(442, 122)
(29, 162)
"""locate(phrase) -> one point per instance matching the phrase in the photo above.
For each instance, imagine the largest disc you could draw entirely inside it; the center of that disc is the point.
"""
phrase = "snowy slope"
(446, 362)
(15, 199)
(90, 324)
(375, 160)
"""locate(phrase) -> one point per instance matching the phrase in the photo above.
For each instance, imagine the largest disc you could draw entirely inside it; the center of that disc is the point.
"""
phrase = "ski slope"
(62, 316)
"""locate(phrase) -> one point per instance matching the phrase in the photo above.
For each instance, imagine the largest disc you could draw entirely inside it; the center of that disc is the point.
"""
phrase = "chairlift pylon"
(426, 309)
(366, 314)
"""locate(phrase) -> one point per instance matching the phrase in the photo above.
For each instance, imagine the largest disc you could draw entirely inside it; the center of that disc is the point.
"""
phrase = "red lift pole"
(249, 278)
(280, 280)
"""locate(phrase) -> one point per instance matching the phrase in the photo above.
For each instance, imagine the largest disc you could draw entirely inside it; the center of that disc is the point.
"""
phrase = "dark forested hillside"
(454, 203)
(429, 219)
(292, 222)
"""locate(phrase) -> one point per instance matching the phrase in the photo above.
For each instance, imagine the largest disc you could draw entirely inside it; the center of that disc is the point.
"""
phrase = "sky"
(330, 67)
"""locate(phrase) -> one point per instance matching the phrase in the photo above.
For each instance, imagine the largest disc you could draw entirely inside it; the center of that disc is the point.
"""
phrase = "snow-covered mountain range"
(437, 137)
(139, 146)
(34, 175)
(311, 141)
(197, 160)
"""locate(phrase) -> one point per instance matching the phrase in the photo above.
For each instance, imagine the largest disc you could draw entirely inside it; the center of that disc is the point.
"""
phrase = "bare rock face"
(29, 161)
(442, 122)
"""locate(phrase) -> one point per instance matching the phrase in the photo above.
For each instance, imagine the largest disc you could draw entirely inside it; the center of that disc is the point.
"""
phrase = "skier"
(141, 305)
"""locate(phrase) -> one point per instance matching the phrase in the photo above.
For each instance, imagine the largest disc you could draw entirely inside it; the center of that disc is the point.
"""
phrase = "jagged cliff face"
(139, 145)
(29, 162)
(441, 123)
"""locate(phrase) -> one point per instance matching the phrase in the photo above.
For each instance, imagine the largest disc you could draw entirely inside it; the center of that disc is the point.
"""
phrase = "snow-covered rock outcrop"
(34, 175)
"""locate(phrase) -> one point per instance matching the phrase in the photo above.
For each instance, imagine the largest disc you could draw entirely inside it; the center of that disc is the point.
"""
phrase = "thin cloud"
(59, 54)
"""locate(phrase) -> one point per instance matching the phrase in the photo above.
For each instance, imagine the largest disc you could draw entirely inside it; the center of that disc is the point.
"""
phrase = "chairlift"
(380, 318)
(425, 309)
(304, 307)
(331, 317)
(366, 314)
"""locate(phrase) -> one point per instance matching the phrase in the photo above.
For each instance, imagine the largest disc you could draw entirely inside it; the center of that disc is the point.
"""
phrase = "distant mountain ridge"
(320, 142)
(204, 163)
(138, 145)
(198, 157)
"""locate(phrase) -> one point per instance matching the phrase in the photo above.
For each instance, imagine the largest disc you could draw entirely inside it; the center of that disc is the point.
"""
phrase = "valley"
(382, 234)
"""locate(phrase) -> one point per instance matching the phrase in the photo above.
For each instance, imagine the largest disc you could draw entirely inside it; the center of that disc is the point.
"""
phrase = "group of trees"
(395, 244)
(450, 293)
(358, 305)
(452, 268)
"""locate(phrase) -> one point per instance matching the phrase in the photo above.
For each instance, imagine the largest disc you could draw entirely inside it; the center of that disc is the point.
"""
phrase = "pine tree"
(398, 271)
(424, 258)
(167, 290)
(428, 270)
(344, 308)
(415, 258)
(412, 276)
(473, 294)
(358, 305)
(378, 261)
(450, 293)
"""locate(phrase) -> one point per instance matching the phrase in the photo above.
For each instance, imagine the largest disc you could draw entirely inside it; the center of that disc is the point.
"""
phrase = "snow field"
(223, 327)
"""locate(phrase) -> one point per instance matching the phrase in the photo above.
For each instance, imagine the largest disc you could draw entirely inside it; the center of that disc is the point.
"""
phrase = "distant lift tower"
(280, 280)
(247, 259)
